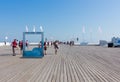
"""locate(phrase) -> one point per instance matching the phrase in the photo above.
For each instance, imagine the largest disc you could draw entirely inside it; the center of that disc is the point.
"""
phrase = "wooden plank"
(71, 64)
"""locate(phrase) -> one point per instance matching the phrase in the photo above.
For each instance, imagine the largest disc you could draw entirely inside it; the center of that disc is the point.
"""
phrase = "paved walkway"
(71, 64)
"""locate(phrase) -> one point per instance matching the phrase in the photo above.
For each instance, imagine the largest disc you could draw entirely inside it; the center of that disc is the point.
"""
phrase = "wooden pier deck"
(71, 64)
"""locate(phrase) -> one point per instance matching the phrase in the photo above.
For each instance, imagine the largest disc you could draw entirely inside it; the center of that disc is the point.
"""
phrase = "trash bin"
(110, 44)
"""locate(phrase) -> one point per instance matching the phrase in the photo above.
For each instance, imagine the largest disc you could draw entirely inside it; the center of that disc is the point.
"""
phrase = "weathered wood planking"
(71, 64)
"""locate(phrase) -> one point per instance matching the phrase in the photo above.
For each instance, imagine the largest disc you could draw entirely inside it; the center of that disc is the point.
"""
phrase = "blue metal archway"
(36, 52)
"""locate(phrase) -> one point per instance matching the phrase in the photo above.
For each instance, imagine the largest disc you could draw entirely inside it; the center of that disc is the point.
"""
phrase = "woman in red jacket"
(14, 45)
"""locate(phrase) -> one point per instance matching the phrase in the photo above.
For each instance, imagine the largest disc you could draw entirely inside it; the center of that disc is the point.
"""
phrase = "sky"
(88, 20)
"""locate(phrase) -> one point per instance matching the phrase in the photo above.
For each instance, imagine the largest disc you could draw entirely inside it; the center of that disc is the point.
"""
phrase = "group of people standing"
(46, 44)
(15, 44)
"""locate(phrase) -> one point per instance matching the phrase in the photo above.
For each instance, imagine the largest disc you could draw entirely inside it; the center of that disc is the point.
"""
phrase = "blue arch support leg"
(37, 52)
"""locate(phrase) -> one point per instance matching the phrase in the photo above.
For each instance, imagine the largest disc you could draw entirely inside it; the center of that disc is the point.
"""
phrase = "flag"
(41, 29)
(26, 28)
(33, 28)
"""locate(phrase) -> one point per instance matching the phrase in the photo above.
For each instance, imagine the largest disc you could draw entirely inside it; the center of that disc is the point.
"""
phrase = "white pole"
(91, 36)
(83, 31)
(100, 32)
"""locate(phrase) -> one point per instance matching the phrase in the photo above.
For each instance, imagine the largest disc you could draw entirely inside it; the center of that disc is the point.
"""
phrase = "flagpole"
(83, 31)
(100, 32)
(91, 35)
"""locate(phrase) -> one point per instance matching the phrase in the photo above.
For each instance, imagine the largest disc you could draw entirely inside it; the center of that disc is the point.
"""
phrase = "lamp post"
(6, 39)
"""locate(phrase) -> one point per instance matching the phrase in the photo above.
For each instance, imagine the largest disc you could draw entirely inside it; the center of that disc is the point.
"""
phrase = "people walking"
(21, 46)
(45, 48)
(56, 46)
